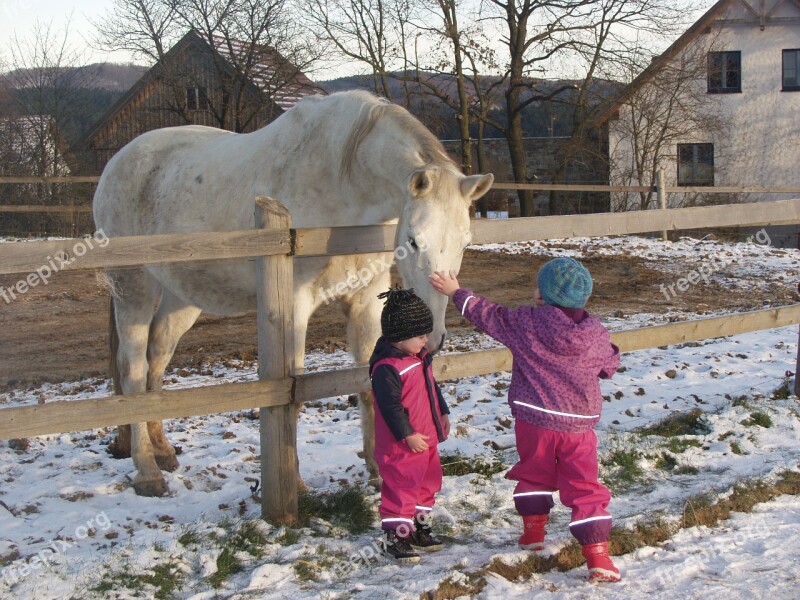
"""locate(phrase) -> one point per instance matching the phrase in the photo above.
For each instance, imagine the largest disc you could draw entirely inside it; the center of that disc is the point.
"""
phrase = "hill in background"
(101, 84)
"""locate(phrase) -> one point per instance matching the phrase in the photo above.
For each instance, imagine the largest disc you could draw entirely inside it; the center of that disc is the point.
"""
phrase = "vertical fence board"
(797, 369)
(275, 288)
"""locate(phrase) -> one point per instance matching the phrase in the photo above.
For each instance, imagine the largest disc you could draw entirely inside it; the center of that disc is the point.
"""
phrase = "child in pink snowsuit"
(559, 353)
(411, 418)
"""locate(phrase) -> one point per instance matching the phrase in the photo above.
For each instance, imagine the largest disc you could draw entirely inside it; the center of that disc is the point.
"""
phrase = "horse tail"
(113, 347)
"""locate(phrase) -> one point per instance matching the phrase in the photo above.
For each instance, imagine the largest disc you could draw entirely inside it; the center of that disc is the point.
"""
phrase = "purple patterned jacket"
(558, 356)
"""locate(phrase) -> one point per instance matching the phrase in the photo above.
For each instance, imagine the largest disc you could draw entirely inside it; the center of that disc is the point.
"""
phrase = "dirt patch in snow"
(58, 332)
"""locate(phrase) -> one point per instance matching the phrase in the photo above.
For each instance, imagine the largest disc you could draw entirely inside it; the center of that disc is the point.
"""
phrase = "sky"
(18, 17)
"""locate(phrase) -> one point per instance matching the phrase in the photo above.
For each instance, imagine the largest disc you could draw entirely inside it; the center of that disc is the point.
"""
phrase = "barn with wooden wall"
(198, 82)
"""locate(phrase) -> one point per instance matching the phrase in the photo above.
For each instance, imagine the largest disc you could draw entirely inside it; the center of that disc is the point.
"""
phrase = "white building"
(31, 145)
(720, 107)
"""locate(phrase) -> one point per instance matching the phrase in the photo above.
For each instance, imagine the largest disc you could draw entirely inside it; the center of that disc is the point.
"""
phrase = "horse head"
(432, 232)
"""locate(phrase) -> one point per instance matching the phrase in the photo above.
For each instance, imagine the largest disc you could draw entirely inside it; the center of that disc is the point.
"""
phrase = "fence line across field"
(42, 208)
(658, 187)
(77, 415)
(498, 185)
(276, 245)
(181, 247)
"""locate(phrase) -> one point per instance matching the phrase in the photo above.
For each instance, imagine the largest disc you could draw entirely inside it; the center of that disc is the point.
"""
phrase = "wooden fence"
(658, 187)
(276, 245)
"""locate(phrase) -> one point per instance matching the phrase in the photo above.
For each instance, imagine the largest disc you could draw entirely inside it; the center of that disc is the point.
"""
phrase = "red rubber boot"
(533, 537)
(601, 569)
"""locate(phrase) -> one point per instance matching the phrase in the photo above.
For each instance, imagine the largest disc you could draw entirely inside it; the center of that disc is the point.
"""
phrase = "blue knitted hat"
(565, 282)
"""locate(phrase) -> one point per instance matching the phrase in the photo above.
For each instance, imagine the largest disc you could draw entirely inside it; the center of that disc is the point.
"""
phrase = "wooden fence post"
(275, 290)
(662, 197)
(797, 368)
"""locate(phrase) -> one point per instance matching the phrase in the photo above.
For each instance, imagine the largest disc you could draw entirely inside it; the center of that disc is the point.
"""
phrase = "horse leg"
(304, 307)
(120, 446)
(135, 294)
(363, 329)
(173, 318)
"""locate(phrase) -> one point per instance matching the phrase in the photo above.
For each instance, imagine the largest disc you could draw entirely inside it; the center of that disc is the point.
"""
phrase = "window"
(196, 98)
(791, 70)
(695, 164)
(724, 72)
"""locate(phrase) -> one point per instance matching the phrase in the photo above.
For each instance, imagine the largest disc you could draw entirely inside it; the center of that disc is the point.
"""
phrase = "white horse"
(345, 159)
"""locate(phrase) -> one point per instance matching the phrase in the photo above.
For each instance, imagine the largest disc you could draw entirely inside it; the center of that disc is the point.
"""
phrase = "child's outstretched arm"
(489, 317)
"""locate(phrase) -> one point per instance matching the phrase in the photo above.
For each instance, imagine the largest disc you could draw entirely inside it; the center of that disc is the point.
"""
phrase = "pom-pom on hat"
(404, 315)
(565, 282)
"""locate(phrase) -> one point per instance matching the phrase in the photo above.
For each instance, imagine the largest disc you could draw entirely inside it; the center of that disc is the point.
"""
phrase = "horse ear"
(475, 186)
(421, 184)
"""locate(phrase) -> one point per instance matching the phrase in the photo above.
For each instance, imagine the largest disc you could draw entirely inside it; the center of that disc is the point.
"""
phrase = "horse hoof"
(151, 488)
(167, 462)
(117, 450)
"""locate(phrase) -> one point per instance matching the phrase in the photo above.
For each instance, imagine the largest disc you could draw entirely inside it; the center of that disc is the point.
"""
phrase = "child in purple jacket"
(559, 353)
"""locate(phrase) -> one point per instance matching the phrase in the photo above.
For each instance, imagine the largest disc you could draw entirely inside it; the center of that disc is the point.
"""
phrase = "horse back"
(142, 185)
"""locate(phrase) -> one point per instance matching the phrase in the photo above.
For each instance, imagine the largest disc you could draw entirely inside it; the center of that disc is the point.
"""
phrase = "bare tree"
(48, 75)
(668, 106)
(559, 37)
(371, 33)
(47, 79)
(419, 44)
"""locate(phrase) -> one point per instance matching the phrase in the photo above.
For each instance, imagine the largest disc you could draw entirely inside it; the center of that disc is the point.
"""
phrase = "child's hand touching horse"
(444, 283)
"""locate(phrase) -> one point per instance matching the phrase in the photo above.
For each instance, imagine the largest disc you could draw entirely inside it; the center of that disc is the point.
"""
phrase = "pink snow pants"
(567, 462)
(409, 483)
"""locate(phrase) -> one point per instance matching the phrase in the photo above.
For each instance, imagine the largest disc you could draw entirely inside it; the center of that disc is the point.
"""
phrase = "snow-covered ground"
(72, 527)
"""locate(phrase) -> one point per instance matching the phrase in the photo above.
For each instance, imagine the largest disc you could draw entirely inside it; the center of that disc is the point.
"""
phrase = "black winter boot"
(422, 537)
(399, 549)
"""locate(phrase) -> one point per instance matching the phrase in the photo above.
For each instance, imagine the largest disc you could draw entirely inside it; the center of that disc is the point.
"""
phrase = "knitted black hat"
(404, 315)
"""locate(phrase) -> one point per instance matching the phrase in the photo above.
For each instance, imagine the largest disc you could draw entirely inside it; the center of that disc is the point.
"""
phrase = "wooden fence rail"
(545, 187)
(77, 415)
(778, 212)
(180, 247)
(38, 208)
(54, 179)
(633, 189)
(498, 185)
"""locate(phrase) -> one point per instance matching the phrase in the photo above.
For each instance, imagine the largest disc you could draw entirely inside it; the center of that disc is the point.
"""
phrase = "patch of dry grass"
(452, 588)
(702, 510)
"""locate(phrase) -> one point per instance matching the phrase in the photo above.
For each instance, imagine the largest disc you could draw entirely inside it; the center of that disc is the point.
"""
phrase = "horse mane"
(374, 109)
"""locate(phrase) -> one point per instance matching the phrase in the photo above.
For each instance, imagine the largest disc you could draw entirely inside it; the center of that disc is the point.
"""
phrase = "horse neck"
(375, 190)
(379, 188)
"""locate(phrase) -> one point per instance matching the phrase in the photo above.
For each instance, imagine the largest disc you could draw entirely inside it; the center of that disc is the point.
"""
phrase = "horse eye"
(413, 242)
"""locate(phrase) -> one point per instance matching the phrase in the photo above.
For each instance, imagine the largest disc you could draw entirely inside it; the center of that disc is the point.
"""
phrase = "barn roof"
(272, 74)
